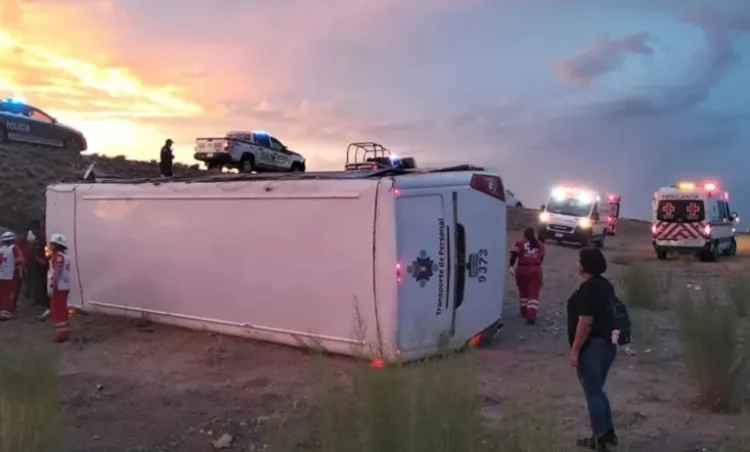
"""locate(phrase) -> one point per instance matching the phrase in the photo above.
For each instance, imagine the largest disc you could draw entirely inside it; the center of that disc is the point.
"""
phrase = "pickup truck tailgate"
(210, 146)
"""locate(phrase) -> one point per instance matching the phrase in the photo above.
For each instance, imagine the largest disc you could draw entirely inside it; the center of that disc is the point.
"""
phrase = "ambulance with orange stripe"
(693, 218)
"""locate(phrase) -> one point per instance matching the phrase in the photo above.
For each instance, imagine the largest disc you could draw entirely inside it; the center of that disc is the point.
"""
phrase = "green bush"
(28, 399)
(716, 351)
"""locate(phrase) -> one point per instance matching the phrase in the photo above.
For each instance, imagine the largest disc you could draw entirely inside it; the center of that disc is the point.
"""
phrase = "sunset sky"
(626, 96)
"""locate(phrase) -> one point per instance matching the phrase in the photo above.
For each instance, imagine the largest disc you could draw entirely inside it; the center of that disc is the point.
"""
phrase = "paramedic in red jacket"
(58, 286)
(11, 266)
(21, 270)
(529, 252)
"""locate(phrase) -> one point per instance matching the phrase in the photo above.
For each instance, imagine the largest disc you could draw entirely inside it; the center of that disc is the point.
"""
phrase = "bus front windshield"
(569, 206)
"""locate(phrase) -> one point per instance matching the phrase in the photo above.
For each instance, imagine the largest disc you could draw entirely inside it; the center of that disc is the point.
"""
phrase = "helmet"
(7, 237)
(59, 239)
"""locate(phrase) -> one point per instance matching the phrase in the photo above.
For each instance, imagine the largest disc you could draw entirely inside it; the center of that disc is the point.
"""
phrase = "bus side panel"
(60, 218)
(290, 270)
(423, 255)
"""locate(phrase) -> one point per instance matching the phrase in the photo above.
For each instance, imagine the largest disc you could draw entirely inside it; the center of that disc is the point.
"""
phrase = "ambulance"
(693, 218)
(577, 215)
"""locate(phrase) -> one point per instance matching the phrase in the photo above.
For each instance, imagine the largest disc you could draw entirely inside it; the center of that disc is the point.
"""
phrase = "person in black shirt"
(166, 157)
(592, 352)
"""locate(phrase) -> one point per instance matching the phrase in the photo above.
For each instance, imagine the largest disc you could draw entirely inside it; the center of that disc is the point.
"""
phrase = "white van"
(575, 214)
(417, 257)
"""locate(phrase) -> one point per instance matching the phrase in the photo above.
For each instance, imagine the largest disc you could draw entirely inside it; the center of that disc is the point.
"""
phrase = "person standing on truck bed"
(530, 254)
(166, 158)
(58, 286)
(11, 261)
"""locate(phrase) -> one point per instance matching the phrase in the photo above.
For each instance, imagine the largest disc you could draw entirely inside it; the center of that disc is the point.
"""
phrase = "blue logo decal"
(423, 268)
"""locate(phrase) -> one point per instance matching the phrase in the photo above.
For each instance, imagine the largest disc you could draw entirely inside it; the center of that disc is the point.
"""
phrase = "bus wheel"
(661, 255)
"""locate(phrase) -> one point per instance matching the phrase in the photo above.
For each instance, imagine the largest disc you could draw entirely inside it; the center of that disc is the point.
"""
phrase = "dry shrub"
(28, 400)
(716, 351)
(643, 289)
(738, 290)
(423, 407)
(622, 259)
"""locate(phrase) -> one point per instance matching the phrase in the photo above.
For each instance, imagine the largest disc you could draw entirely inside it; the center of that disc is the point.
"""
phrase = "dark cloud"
(711, 65)
(601, 57)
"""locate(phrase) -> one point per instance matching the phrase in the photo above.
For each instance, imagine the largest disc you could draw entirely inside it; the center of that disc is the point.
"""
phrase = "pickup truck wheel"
(519, 205)
(297, 168)
(247, 164)
(212, 166)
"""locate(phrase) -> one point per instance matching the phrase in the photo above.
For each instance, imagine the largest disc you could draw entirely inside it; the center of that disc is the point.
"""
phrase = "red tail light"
(707, 231)
(398, 272)
(489, 185)
(653, 230)
(227, 145)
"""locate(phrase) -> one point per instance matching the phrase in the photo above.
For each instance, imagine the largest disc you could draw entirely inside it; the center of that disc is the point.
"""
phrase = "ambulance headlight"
(544, 217)
(584, 223)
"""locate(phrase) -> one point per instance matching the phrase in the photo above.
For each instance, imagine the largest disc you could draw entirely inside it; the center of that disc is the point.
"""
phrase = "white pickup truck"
(248, 152)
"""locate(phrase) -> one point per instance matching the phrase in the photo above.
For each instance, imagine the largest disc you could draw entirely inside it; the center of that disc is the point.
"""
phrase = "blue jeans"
(593, 366)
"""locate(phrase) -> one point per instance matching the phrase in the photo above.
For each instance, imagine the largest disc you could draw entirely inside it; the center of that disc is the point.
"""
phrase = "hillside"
(25, 171)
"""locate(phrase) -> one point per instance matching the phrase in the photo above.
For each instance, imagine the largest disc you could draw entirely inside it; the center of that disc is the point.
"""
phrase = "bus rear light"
(489, 185)
(398, 272)
(707, 231)
(653, 229)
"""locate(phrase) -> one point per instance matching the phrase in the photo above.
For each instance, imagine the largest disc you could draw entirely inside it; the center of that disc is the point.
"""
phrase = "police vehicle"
(23, 123)
(576, 215)
(248, 152)
(371, 156)
(693, 218)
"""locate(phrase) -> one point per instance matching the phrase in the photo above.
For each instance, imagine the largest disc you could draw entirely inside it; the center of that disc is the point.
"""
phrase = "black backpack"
(622, 321)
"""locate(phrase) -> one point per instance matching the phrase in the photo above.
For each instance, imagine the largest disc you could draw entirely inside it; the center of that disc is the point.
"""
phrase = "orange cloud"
(67, 74)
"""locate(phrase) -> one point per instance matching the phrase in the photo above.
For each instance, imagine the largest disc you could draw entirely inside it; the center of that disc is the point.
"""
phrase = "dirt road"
(144, 387)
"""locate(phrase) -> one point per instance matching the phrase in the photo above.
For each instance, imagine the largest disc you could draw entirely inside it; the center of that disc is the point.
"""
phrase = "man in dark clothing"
(166, 158)
(592, 351)
(37, 264)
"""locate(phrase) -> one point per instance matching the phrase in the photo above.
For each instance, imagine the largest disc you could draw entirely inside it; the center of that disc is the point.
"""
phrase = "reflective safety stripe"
(533, 304)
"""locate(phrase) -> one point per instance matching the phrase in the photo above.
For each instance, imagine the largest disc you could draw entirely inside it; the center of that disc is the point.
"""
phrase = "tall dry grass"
(425, 407)
(28, 399)
(738, 290)
(716, 349)
(643, 288)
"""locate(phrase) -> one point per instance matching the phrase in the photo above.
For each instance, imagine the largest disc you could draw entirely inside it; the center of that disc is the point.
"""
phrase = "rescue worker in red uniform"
(11, 267)
(58, 286)
(22, 270)
(529, 252)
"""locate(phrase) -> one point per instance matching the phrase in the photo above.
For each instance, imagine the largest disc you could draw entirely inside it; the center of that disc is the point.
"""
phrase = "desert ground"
(134, 386)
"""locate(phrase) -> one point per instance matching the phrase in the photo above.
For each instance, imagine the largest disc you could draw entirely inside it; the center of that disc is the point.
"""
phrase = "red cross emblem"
(668, 209)
(693, 209)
